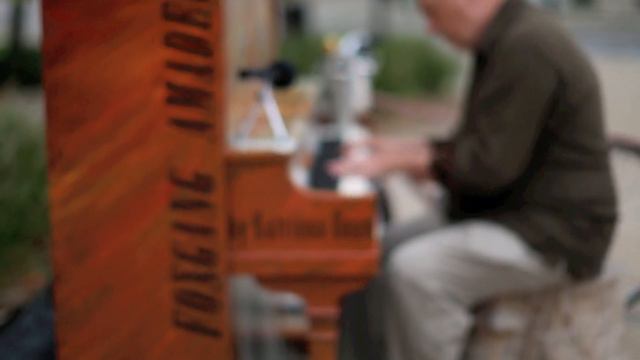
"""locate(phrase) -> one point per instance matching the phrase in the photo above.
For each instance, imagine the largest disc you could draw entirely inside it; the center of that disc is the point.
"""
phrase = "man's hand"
(379, 156)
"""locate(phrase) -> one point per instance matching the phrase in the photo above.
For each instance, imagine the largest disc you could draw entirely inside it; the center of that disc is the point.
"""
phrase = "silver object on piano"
(279, 74)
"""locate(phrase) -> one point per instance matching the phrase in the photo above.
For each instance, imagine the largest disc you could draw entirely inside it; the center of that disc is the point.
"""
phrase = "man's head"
(462, 22)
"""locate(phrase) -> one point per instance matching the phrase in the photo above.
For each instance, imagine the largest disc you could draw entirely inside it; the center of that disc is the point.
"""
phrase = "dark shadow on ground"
(29, 334)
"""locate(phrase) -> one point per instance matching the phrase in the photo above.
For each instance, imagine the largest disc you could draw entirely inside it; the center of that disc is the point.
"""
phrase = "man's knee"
(409, 268)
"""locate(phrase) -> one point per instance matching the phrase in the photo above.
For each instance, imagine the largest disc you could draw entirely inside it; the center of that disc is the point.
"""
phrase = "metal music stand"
(265, 102)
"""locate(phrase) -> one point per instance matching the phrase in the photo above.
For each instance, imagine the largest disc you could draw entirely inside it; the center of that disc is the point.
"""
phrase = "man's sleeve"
(512, 105)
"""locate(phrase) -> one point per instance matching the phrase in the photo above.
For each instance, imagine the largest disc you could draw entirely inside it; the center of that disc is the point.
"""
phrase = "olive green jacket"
(532, 152)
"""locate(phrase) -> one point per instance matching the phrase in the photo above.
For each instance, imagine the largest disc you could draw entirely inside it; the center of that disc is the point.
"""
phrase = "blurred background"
(419, 88)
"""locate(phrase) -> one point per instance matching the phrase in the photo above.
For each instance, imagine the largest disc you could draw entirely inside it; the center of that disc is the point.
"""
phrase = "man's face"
(447, 18)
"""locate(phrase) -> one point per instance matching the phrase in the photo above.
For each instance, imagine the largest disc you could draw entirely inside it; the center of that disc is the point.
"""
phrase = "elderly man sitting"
(531, 197)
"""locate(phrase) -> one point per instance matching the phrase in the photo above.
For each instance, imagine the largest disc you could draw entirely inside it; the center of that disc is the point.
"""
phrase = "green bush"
(304, 51)
(6, 66)
(24, 225)
(410, 66)
(413, 66)
(29, 67)
(24, 65)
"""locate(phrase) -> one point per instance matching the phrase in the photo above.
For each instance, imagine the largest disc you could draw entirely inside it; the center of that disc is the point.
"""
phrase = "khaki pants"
(419, 307)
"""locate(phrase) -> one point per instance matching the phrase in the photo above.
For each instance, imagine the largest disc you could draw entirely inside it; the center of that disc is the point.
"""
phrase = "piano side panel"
(136, 183)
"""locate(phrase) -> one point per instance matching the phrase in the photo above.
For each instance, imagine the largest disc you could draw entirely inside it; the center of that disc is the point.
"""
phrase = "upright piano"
(152, 211)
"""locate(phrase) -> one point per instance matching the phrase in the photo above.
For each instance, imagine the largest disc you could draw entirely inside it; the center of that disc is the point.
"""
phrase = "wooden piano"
(151, 211)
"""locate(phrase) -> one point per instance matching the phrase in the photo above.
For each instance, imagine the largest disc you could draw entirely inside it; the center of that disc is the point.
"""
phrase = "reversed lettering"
(188, 43)
(202, 71)
(178, 12)
(194, 229)
(202, 257)
(193, 325)
(188, 96)
(200, 182)
(196, 300)
(207, 277)
(190, 205)
(191, 125)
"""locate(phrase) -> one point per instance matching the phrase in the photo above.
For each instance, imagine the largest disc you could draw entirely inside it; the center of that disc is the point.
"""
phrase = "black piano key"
(320, 177)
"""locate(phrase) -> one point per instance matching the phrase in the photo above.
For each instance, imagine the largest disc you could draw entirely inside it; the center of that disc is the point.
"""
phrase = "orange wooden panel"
(269, 213)
(316, 244)
(135, 107)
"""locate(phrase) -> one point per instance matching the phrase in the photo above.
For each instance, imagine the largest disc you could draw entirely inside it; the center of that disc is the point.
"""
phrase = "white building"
(403, 15)
(618, 6)
(32, 23)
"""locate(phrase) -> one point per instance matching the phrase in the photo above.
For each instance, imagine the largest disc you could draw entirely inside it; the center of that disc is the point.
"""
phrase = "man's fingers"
(362, 167)
(347, 166)
(360, 144)
(339, 167)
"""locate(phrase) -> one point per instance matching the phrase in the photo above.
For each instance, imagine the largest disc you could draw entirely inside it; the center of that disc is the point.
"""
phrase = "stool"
(572, 322)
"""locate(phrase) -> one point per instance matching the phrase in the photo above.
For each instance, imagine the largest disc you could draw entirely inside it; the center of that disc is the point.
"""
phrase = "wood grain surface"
(150, 211)
(135, 103)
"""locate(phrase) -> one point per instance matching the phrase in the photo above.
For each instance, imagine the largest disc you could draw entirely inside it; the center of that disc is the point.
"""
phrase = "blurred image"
(320, 179)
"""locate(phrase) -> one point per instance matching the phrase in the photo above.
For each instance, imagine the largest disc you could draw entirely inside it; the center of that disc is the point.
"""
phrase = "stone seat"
(573, 322)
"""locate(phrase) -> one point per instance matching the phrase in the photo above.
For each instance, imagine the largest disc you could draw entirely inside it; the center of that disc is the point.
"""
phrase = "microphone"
(280, 74)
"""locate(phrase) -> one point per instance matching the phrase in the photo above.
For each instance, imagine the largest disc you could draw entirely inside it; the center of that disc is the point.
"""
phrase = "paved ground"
(620, 75)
